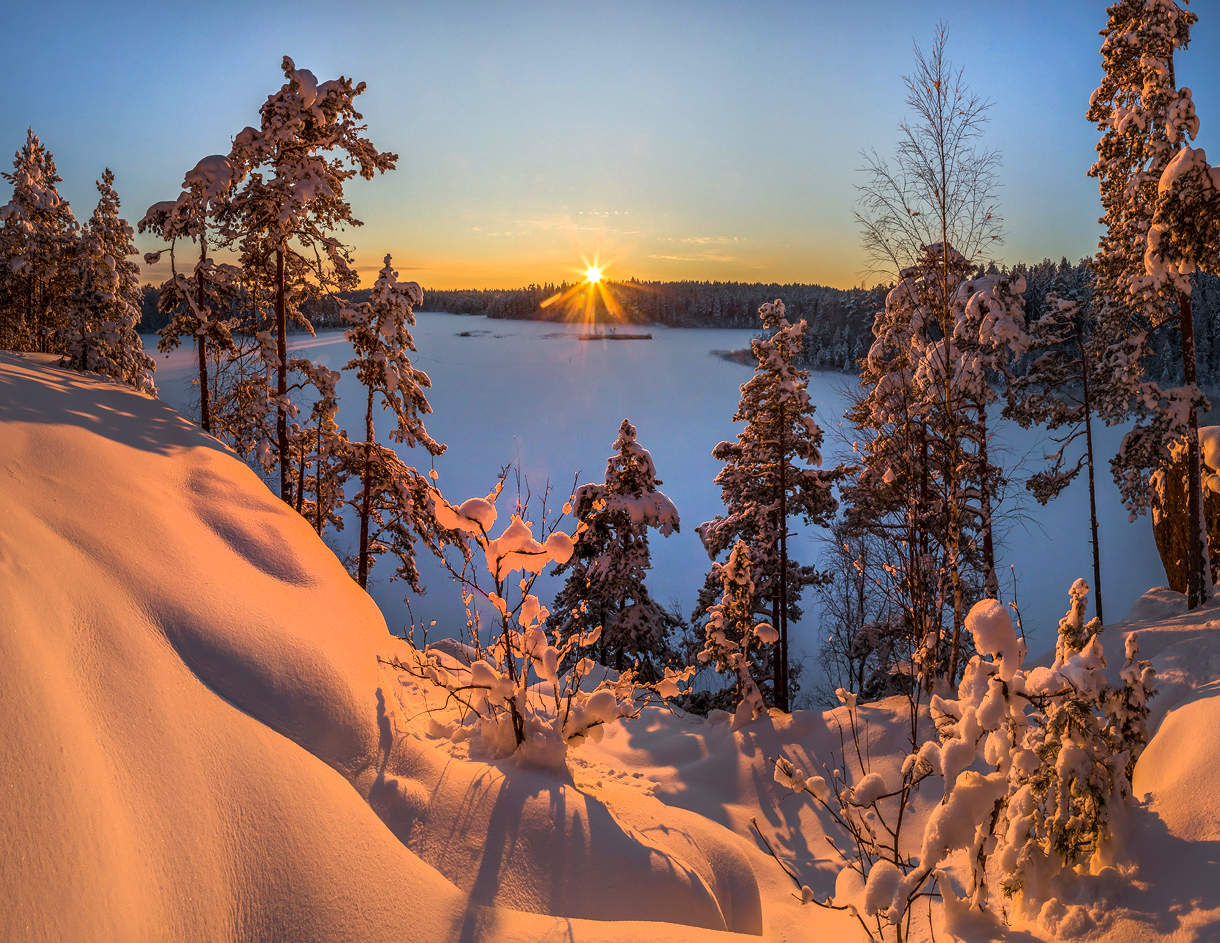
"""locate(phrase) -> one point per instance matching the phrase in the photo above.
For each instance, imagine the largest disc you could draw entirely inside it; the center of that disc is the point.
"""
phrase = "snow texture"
(190, 698)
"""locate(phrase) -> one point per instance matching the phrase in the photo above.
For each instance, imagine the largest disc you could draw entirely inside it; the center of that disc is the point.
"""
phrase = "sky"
(669, 140)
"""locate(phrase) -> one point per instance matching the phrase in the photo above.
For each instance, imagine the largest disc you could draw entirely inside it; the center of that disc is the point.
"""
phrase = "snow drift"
(198, 740)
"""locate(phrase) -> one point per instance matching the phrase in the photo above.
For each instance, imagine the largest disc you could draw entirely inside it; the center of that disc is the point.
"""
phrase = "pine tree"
(772, 473)
(1145, 120)
(100, 332)
(989, 337)
(392, 504)
(319, 443)
(1060, 390)
(605, 586)
(197, 304)
(308, 144)
(37, 241)
(1127, 707)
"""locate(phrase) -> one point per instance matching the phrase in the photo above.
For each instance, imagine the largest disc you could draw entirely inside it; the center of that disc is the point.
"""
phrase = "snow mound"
(190, 697)
(199, 742)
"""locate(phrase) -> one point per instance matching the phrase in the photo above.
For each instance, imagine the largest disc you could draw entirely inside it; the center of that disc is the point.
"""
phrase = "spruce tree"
(771, 474)
(605, 586)
(100, 332)
(37, 243)
(1060, 390)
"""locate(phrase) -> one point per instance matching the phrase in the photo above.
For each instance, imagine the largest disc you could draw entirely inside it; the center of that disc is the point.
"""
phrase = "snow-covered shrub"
(511, 688)
(1034, 765)
(869, 808)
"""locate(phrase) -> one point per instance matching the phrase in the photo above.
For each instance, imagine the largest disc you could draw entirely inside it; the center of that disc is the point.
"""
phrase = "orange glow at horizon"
(579, 302)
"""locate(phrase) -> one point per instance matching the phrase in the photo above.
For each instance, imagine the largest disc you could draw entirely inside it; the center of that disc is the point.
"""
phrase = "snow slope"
(198, 742)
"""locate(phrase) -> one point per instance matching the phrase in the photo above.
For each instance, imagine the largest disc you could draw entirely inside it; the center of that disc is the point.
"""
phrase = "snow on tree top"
(212, 177)
(991, 628)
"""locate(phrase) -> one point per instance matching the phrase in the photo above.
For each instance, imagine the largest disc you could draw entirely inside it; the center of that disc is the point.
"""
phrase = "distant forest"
(840, 320)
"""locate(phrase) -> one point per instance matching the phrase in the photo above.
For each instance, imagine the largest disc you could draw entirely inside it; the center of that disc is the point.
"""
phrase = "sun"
(593, 275)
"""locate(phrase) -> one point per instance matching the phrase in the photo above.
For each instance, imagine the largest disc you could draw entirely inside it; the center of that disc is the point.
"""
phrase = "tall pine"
(1145, 120)
(393, 504)
(310, 141)
(772, 473)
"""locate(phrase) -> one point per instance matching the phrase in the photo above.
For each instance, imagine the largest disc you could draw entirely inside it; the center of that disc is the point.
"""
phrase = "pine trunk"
(991, 583)
(317, 484)
(201, 342)
(281, 374)
(366, 478)
(300, 496)
(781, 693)
(1088, 441)
(1197, 584)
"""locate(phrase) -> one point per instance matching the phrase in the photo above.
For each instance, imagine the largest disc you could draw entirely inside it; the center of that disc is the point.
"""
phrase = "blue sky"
(674, 140)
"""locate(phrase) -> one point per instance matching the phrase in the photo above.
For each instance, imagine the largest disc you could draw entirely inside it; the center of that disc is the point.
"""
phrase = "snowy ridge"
(199, 742)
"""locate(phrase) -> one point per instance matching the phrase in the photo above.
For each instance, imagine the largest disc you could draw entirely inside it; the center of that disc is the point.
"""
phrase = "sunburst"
(579, 301)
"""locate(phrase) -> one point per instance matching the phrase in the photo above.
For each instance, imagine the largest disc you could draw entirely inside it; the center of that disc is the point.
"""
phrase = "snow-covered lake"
(532, 393)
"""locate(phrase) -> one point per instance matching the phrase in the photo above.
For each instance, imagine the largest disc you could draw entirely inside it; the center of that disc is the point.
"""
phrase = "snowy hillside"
(198, 741)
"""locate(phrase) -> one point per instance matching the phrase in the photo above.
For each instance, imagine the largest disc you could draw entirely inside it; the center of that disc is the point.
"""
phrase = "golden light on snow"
(593, 274)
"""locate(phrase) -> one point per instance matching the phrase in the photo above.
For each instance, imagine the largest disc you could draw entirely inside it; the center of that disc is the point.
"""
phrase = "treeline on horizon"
(840, 321)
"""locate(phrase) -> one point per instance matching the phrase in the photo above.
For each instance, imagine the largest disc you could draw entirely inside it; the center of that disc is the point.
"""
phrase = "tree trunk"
(201, 341)
(317, 484)
(781, 692)
(1088, 440)
(300, 496)
(366, 477)
(991, 583)
(1198, 588)
(281, 385)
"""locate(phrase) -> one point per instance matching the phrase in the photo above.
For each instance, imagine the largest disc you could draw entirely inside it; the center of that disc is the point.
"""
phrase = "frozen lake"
(532, 393)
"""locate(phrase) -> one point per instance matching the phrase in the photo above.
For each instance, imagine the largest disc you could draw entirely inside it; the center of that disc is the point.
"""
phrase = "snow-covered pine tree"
(1060, 798)
(989, 336)
(309, 142)
(732, 634)
(197, 303)
(605, 585)
(1145, 120)
(1127, 707)
(1059, 390)
(522, 690)
(1033, 775)
(772, 473)
(37, 238)
(99, 333)
(392, 495)
(318, 442)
